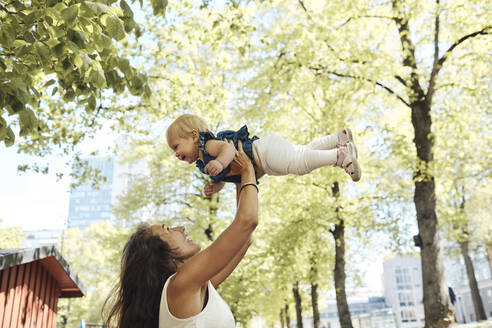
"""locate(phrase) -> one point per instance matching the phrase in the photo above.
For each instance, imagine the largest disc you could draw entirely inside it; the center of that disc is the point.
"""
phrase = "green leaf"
(97, 78)
(29, 19)
(69, 14)
(90, 8)
(50, 82)
(159, 7)
(115, 27)
(10, 137)
(124, 66)
(103, 42)
(92, 102)
(42, 50)
(28, 36)
(28, 121)
(3, 133)
(126, 8)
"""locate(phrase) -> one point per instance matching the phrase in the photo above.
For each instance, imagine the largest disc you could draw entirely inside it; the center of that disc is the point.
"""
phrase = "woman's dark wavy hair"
(146, 263)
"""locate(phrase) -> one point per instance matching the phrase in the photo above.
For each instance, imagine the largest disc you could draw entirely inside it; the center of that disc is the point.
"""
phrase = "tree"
(61, 62)
(478, 210)
(11, 237)
(94, 255)
(463, 170)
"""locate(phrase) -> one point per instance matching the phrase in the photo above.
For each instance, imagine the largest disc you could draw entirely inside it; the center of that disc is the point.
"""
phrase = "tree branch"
(302, 5)
(437, 66)
(401, 80)
(408, 49)
(363, 16)
(364, 79)
(435, 69)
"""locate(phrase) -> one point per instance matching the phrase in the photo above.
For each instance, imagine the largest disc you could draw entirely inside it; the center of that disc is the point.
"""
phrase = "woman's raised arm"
(202, 267)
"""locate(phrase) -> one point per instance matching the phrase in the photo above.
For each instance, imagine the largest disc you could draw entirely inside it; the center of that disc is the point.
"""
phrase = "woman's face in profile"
(177, 239)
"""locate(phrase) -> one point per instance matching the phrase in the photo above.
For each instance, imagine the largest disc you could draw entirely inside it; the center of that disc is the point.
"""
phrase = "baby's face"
(186, 149)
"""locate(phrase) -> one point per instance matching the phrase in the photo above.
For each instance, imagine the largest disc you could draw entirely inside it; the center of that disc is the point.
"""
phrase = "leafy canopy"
(65, 50)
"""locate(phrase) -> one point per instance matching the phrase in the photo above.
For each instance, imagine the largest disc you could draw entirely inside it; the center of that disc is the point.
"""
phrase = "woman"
(167, 282)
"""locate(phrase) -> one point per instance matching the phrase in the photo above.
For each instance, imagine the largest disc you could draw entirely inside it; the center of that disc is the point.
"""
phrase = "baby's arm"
(224, 154)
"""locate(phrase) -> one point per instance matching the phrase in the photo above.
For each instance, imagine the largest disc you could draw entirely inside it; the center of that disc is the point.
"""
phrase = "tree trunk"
(282, 322)
(472, 282)
(339, 235)
(212, 212)
(314, 303)
(297, 298)
(287, 316)
(437, 307)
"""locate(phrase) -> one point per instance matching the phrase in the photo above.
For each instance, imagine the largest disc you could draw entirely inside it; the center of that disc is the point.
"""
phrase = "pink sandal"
(344, 137)
(347, 160)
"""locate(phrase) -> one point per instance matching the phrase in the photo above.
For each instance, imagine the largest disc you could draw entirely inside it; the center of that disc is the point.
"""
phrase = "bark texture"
(339, 235)
(282, 321)
(287, 316)
(472, 282)
(298, 300)
(314, 303)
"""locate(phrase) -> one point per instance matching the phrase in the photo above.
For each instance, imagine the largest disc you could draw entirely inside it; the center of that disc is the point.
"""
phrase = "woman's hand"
(241, 162)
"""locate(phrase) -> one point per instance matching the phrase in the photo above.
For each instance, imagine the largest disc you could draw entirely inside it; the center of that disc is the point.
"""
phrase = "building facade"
(365, 312)
(402, 285)
(43, 237)
(464, 310)
(88, 204)
(31, 282)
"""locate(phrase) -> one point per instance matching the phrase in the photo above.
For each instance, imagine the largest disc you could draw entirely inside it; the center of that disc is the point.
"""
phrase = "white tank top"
(216, 313)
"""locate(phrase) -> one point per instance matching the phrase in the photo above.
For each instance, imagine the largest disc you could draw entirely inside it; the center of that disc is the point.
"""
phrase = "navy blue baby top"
(241, 134)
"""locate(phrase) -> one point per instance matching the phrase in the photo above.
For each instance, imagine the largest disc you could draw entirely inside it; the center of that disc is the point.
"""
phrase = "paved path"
(486, 324)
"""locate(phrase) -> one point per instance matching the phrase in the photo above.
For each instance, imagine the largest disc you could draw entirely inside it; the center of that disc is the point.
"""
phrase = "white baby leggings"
(280, 157)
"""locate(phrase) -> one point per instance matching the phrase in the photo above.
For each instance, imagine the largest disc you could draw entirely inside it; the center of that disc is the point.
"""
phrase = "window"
(489, 294)
(406, 299)
(403, 278)
(408, 315)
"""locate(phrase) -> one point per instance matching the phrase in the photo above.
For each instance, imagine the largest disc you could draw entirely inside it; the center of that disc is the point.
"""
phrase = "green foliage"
(94, 255)
(56, 59)
(11, 237)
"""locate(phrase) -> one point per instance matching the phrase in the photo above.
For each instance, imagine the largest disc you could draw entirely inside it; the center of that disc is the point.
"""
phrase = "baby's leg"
(280, 157)
(334, 140)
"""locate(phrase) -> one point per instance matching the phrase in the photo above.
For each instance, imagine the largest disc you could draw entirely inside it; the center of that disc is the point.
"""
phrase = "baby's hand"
(212, 188)
(213, 168)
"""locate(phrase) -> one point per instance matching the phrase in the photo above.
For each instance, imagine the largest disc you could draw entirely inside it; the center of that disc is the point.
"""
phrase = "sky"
(31, 200)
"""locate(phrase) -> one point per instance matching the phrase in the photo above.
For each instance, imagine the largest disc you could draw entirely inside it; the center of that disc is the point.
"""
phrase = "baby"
(190, 139)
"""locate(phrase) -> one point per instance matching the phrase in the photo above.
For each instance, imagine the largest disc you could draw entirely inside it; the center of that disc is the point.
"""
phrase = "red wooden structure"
(31, 281)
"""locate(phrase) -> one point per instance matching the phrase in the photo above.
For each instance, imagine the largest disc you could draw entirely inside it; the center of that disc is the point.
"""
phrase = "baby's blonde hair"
(185, 124)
